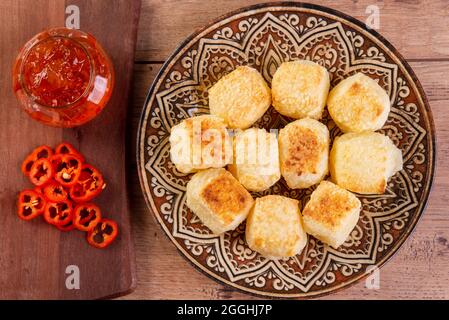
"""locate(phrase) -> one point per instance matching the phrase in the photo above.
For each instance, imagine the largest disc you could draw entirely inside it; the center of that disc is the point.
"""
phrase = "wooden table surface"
(419, 29)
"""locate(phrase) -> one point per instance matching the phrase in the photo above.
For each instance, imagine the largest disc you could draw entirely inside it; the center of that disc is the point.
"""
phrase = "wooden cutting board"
(35, 258)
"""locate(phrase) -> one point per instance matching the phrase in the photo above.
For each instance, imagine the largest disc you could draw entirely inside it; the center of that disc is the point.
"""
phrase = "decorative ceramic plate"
(263, 36)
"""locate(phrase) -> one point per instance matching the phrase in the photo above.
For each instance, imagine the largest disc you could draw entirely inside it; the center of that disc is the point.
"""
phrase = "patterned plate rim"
(337, 15)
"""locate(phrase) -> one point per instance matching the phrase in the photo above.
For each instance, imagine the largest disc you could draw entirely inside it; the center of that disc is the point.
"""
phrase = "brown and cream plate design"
(263, 36)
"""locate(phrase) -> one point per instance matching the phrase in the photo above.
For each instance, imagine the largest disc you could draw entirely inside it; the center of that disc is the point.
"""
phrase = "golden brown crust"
(358, 104)
(306, 77)
(358, 90)
(330, 204)
(299, 89)
(382, 186)
(240, 97)
(357, 99)
(304, 151)
(363, 162)
(218, 199)
(225, 196)
(274, 227)
(331, 214)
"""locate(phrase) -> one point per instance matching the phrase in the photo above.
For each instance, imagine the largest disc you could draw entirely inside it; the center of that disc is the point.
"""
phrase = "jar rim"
(52, 34)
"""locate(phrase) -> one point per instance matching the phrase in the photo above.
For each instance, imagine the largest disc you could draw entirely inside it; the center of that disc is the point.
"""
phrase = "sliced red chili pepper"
(58, 213)
(89, 185)
(41, 172)
(67, 148)
(103, 233)
(86, 216)
(30, 204)
(39, 190)
(54, 191)
(67, 227)
(67, 168)
(38, 153)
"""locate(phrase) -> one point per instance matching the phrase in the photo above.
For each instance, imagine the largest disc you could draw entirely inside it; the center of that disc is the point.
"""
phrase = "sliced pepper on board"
(89, 185)
(67, 227)
(67, 168)
(67, 148)
(39, 190)
(41, 172)
(30, 204)
(86, 216)
(38, 153)
(54, 191)
(103, 233)
(61, 178)
(58, 213)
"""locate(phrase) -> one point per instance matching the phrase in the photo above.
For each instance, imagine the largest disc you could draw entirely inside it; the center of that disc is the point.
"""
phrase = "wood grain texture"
(418, 27)
(19, 22)
(34, 256)
(418, 271)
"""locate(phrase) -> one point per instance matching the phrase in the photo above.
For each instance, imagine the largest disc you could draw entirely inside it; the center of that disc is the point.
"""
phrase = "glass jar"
(63, 77)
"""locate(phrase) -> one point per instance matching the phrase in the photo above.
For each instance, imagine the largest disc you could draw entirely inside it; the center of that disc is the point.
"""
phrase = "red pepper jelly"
(56, 72)
(63, 77)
